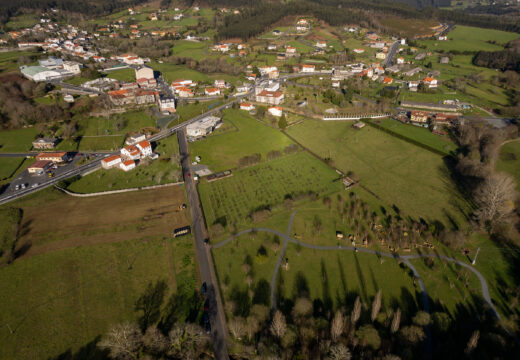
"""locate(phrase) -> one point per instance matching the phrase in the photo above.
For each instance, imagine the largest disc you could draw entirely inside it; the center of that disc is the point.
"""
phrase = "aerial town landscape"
(240, 179)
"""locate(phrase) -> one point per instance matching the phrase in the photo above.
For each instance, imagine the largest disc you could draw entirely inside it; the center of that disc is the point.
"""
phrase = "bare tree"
(376, 305)
(123, 341)
(302, 308)
(339, 352)
(396, 321)
(278, 325)
(473, 342)
(494, 198)
(186, 341)
(237, 327)
(154, 341)
(356, 311)
(336, 327)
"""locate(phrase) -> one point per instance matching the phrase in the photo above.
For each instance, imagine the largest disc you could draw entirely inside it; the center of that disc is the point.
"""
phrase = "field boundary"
(111, 192)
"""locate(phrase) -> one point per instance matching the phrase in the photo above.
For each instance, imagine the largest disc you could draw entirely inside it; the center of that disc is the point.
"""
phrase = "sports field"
(86, 262)
(397, 172)
(223, 151)
(266, 184)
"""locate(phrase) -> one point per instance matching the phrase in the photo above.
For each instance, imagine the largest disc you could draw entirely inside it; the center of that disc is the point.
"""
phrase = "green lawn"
(467, 38)
(222, 151)
(101, 143)
(174, 72)
(22, 21)
(130, 121)
(266, 184)
(164, 170)
(127, 75)
(509, 160)
(77, 80)
(301, 48)
(191, 49)
(8, 166)
(399, 173)
(418, 134)
(19, 140)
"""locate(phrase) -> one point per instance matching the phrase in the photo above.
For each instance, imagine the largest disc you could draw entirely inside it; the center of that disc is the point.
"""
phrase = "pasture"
(19, 140)
(87, 274)
(8, 166)
(127, 75)
(509, 160)
(467, 38)
(232, 199)
(191, 49)
(399, 173)
(223, 151)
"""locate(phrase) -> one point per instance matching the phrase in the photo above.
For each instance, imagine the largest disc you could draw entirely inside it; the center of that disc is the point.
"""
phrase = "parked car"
(208, 328)
(204, 288)
(17, 187)
(35, 185)
(206, 305)
(205, 317)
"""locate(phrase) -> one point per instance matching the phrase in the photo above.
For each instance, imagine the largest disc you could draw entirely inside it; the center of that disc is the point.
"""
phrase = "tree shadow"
(361, 278)
(150, 303)
(327, 300)
(301, 286)
(90, 351)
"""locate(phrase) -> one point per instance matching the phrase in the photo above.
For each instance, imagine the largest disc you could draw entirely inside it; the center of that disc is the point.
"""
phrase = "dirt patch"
(71, 222)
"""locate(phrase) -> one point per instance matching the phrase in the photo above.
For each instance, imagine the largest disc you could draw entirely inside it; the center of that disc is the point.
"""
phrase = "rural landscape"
(229, 179)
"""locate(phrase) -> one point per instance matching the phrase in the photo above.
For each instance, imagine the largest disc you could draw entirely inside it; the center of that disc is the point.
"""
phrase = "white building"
(145, 148)
(203, 127)
(265, 70)
(39, 73)
(144, 72)
(270, 97)
(166, 104)
(308, 68)
(275, 111)
(131, 152)
(321, 44)
(127, 165)
(135, 139)
(111, 161)
(72, 66)
(246, 106)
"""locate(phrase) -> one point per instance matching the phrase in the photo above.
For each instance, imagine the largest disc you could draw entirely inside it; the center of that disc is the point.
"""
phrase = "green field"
(175, 72)
(127, 75)
(266, 184)
(191, 49)
(164, 170)
(101, 143)
(399, 173)
(223, 151)
(419, 134)
(8, 166)
(19, 140)
(301, 48)
(509, 160)
(467, 38)
(130, 121)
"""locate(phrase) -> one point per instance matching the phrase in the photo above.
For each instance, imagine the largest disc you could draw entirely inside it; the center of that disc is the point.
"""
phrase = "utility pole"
(475, 258)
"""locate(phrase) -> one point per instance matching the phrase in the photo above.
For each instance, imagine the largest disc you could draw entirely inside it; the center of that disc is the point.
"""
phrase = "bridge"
(355, 116)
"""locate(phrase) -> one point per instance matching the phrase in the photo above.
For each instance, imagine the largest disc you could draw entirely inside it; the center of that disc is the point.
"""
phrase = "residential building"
(39, 167)
(203, 127)
(336, 83)
(400, 60)
(359, 51)
(308, 68)
(246, 106)
(44, 143)
(57, 157)
(220, 84)
(275, 111)
(111, 161)
(381, 56)
(127, 165)
(184, 92)
(135, 139)
(212, 91)
(121, 97)
(413, 85)
(321, 44)
(72, 66)
(143, 97)
(444, 60)
(430, 82)
(419, 117)
(387, 81)
(265, 70)
(270, 97)
(131, 152)
(166, 104)
(144, 72)
(145, 148)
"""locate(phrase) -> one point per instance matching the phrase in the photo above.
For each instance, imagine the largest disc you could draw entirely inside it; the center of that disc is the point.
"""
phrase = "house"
(277, 32)
(359, 51)
(146, 83)
(321, 44)
(111, 161)
(246, 106)
(272, 47)
(131, 152)
(166, 104)
(143, 97)
(182, 83)
(251, 77)
(430, 82)
(270, 97)
(419, 117)
(127, 165)
(442, 38)
(444, 60)
(413, 85)
(121, 97)
(420, 56)
(68, 98)
(153, 17)
(381, 56)
(393, 69)
(203, 127)
(221, 47)
(72, 66)
(290, 50)
(336, 83)
(388, 81)
(265, 70)
(44, 143)
(57, 157)
(220, 84)
(177, 17)
(400, 60)
(359, 125)
(413, 71)
(275, 111)
(308, 68)
(135, 139)
(184, 92)
(212, 91)
(39, 167)
(144, 72)
(145, 148)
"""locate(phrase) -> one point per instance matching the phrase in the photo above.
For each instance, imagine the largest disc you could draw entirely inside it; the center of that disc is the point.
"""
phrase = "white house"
(430, 82)
(272, 47)
(264, 70)
(111, 161)
(184, 92)
(145, 148)
(400, 60)
(270, 97)
(135, 139)
(246, 106)
(72, 66)
(359, 51)
(381, 56)
(131, 152)
(212, 91)
(127, 165)
(443, 38)
(275, 111)
(166, 104)
(221, 84)
(321, 44)
(144, 72)
(308, 68)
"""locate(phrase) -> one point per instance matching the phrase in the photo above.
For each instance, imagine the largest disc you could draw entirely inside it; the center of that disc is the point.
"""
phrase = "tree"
(369, 337)
(336, 327)
(472, 342)
(422, 318)
(339, 352)
(494, 198)
(150, 303)
(302, 308)
(376, 306)
(237, 327)
(278, 325)
(396, 320)
(282, 122)
(123, 341)
(356, 311)
(154, 341)
(412, 334)
(186, 341)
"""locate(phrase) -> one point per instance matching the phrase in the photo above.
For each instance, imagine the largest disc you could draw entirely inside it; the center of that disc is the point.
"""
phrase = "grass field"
(223, 151)
(266, 184)
(131, 121)
(8, 166)
(87, 274)
(164, 170)
(301, 48)
(509, 160)
(127, 75)
(101, 143)
(399, 173)
(467, 38)
(419, 134)
(19, 140)
(191, 49)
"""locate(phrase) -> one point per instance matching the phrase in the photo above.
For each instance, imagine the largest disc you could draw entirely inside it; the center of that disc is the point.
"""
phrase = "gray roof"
(32, 70)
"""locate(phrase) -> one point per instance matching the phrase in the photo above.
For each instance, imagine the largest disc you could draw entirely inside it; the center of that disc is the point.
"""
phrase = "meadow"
(8, 166)
(509, 160)
(223, 151)
(467, 38)
(19, 140)
(87, 274)
(191, 49)
(232, 199)
(127, 75)
(398, 173)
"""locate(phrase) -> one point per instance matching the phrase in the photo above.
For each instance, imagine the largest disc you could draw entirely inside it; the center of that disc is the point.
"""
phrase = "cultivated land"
(266, 184)
(401, 174)
(509, 160)
(85, 275)
(223, 151)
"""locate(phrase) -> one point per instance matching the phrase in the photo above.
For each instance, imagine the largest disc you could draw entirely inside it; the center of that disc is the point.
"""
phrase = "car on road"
(205, 317)
(17, 187)
(188, 175)
(208, 328)
(206, 305)
(204, 288)
(34, 185)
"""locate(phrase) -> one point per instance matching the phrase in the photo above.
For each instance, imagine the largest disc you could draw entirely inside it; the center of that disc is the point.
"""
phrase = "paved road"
(216, 311)
(391, 54)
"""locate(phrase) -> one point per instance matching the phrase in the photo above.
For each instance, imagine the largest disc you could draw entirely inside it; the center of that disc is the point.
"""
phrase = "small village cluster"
(137, 149)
